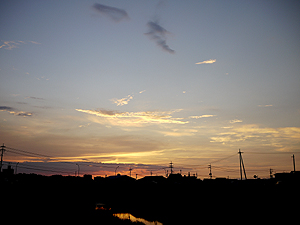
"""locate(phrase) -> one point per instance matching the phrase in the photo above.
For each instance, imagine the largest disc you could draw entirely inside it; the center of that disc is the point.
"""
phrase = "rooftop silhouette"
(172, 200)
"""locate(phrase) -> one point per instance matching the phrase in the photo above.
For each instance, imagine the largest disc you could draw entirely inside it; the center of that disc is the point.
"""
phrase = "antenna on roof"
(171, 167)
(210, 174)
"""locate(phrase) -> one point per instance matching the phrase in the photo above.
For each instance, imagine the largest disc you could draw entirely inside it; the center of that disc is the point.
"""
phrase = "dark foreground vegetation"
(172, 200)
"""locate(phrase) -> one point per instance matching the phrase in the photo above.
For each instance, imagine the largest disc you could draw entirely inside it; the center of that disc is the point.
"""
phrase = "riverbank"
(176, 200)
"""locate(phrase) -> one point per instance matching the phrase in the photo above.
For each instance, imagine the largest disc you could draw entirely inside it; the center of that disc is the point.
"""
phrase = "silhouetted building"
(9, 171)
(88, 176)
(98, 178)
(175, 177)
(120, 177)
(293, 175)
(153, 179)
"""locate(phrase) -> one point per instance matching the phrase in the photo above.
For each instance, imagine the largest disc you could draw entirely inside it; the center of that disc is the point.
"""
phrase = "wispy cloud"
(282, 138)
(86, 125)
(113, 13)
(9, 45)
(158, 34)
(135, 118)
(265, 105)
(210, 61)
(34, 42)
(180, 133)
(122, 101)
(35, 98)
(15, 112)
(235, 121)
(199, 117)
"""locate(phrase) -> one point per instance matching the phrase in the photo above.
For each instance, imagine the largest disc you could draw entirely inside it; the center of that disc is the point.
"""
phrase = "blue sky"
(151, 81)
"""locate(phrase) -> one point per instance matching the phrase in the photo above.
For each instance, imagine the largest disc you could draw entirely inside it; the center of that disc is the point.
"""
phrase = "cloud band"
(133, 118)
(210, 61)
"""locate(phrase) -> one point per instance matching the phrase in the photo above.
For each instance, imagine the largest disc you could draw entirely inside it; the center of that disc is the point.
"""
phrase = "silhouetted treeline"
(172, 200)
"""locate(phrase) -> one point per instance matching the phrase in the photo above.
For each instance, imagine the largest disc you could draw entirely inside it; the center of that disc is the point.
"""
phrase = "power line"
(24, 154)
(88, 163)
(202, 166)
(34, 167)
(272, 152)
(45, 166)
(31, 153)
(221, 159)
(54, 159)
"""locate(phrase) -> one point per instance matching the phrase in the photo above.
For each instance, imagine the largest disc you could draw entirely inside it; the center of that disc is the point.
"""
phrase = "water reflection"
(128, 216)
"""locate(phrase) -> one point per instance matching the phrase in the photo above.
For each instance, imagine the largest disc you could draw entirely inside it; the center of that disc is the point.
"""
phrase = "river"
(128, 216)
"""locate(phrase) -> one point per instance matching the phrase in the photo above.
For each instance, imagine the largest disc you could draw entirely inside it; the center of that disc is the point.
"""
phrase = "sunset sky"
(150, 82)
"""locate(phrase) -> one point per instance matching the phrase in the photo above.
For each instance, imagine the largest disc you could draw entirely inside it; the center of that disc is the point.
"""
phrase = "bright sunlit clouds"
(122, 101)
(132, 118)
(199, 117)
(9, 45)
(207, 61)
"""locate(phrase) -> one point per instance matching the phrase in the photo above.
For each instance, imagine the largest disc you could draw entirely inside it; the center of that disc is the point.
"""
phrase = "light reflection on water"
(128, 216)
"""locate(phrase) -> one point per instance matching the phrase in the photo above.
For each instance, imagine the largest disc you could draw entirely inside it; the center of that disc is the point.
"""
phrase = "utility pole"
(242, 164)
(165, 171)
(292, 157)
(210, 174)
(2, 151)
(116, 170)
(171, 167)
(78, 169)
(130, 171)
(17, 167)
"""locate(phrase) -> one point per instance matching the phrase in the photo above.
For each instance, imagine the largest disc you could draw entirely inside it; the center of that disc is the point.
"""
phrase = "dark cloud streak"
(13, 111)
(115, 14)
(35, 98)
(6, 108)
(24, 114)
(107, 112)
(158, 34)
